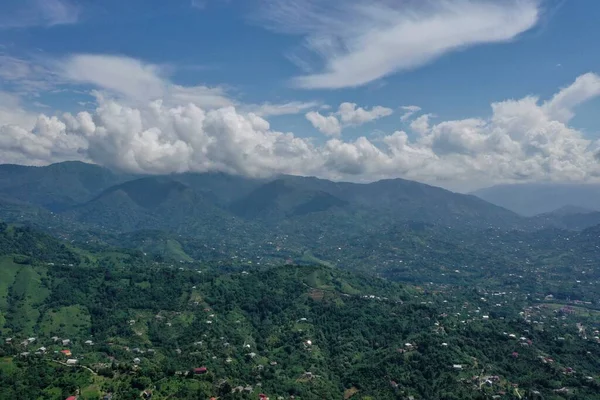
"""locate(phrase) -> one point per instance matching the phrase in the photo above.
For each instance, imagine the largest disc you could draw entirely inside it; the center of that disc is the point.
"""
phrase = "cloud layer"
(522, 140)
(359, 41)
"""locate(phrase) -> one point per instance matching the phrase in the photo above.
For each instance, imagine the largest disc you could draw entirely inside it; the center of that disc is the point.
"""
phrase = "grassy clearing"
(8, 272)
(26, 295)
(68, 321)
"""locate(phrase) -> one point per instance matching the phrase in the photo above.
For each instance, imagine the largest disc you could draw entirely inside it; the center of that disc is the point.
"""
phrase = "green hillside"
(313, 332)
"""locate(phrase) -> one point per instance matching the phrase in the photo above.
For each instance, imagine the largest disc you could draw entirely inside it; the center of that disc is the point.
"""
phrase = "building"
(201, 370)
(72, 361)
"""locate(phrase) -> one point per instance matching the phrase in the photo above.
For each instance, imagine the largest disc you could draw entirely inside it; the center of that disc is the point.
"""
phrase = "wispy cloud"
(360, 41)
(274, 109)
(409, 111)
(31, 13)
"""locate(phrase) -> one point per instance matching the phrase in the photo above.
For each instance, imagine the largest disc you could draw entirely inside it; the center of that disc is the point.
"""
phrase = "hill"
(57, 186)
(70, 188)
(534, 199)
(311, 332)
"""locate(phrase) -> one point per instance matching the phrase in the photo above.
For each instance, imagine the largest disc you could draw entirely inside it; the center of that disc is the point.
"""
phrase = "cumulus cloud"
(47, 13)
(351, 114)
(360, 41)
(348, 114)
(523, 140)
(329, 125)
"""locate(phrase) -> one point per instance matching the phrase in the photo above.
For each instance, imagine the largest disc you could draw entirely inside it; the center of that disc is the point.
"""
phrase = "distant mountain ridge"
(96, 196)
(539, 198)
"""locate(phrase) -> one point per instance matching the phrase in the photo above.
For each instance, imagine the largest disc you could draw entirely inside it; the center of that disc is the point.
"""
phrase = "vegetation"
(288, 287)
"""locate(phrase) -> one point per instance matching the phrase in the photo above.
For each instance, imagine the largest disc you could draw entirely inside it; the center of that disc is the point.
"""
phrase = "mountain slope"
(57, 186)
(155, 203)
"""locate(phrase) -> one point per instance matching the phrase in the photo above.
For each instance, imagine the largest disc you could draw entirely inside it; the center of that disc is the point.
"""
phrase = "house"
(201, 370)
(66, 342)
(89, 342)
(8, 340)
(31, 339)
(146, 394)
(42, 349)
(72, 398)
(107, 396)
(66, 352)
(55, 338)
(136, 360)
(457, 366)
(72, 361)
(263, 396)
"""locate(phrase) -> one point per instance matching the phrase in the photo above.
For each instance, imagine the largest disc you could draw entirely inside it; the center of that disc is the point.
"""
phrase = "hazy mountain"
(154, 203)
(569, 217)
(215, 203)
(57, 186)
(534, 199)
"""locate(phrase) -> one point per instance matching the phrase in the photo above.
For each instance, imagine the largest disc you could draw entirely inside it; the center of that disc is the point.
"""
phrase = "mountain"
(569, 217)
(533, 199)
(195, 203)
(57, 186)
(281, 198)
(155, 203)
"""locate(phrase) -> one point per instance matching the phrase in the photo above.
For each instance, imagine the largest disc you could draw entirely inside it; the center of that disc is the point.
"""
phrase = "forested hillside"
(191, 331)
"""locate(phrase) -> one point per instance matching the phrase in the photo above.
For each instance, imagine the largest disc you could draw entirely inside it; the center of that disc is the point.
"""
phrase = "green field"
(70, 321)
(25, 295)
(8, 272)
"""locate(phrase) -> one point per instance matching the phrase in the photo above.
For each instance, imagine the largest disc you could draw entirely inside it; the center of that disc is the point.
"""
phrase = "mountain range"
(99, 197)
(215, 215)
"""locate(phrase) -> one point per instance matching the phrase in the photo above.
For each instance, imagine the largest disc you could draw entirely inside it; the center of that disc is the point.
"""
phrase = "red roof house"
(201, 370)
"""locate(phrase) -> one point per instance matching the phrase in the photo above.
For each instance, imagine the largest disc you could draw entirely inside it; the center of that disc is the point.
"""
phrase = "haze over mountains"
(188, 203)
(530, 199)
(205, 204)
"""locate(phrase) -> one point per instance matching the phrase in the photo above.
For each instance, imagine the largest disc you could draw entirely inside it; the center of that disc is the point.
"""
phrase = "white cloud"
(47, 13)
(409, 111)
(348, 114)
(271, 109)
(351, 114)
(360, 41)
(136, 81)
(522, 140)
(329, 125)
(561, 106)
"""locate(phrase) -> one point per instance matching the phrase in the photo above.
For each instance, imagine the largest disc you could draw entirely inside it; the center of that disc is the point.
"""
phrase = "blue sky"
(452, 61)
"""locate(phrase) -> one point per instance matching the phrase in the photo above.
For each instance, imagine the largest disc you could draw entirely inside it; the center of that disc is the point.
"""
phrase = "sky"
(461, 94)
